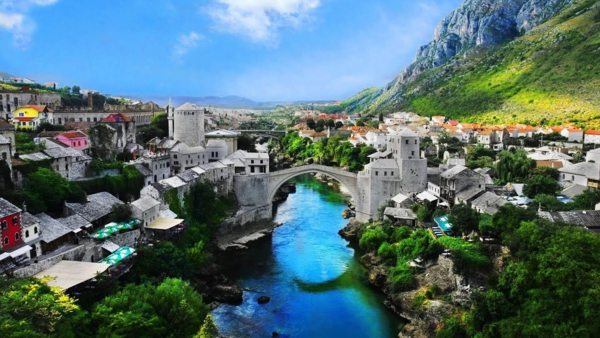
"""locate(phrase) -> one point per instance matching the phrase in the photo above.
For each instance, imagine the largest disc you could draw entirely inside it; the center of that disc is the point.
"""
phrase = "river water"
(316, 284)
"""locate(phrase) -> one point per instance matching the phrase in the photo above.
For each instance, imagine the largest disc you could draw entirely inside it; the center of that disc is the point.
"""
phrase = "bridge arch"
(347, 179)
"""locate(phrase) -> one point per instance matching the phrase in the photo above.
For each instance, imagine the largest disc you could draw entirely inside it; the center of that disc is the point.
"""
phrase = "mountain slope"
(507, 61)
(5, 75)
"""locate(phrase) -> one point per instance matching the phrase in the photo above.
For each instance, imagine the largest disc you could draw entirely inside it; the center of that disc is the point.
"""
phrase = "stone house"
(8, 131)
(460, 184)
(146, 209)
(592, 137)
(585, 174)
(31, 233)
(68, 162)
(96, 210)
(573, 134)
(230, 138)
(11, 101)
(74, 139)
(246, 163)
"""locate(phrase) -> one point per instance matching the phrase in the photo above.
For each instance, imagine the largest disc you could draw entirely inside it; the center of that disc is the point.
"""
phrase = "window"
(252, 161)
(377, 173)
(385, 173)
(392, 173)
(5, 240)
(412, 153)
(406, 142)
(415, 141)
(17, 236)
(21, 114)
(4, 225)
(175, 156)
(15, 220)
(26, 233)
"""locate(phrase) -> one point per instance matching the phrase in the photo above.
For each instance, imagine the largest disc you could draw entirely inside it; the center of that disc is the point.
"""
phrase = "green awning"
(112, 228)
(443, 223)
(118, 255)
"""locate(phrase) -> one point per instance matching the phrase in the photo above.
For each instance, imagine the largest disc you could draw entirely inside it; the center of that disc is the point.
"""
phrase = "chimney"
(90, 100)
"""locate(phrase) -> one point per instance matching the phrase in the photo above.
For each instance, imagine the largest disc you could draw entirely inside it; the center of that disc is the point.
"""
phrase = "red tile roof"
(592, 132)
(116, 118)
(24, 119)
(74, 135)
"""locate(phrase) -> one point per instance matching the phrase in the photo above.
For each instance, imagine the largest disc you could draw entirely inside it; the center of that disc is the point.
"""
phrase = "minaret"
(170, 117)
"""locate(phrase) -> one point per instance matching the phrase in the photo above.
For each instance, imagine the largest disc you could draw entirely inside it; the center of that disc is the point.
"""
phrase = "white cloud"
(13, 18)
(185, 43)
(260, 20)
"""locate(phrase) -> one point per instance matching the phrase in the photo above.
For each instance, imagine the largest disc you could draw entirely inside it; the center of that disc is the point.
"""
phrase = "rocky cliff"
(484, 37)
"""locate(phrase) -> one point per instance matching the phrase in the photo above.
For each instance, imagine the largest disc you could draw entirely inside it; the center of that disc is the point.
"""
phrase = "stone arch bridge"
(278, 178)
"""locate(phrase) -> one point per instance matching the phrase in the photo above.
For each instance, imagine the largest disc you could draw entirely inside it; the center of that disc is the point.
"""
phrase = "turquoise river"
(317, 286)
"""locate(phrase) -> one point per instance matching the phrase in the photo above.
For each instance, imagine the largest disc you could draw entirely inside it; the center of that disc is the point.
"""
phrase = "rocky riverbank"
(439, 291)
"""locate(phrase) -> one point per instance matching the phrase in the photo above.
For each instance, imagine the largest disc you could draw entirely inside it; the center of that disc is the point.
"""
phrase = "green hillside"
(550, 75)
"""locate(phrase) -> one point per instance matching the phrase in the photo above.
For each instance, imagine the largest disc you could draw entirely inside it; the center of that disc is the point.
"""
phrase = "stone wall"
(246, 221)
(127, 238)
(252, 191)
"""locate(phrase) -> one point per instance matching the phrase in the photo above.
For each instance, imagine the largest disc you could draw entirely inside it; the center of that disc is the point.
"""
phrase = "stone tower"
(189, 125)
(404, 145)
(170, 117)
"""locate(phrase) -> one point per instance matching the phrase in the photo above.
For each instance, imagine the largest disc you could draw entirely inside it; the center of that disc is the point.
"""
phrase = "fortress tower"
(188, 121)
(171, 117)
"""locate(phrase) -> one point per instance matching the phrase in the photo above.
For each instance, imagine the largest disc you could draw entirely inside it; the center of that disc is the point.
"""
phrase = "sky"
(264, 50)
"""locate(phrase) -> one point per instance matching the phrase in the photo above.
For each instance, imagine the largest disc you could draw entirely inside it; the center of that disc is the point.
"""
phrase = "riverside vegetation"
(543, 284)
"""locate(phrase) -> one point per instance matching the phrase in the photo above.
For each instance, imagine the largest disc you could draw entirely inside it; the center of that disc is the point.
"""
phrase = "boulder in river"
(230, 294)
(263, 299)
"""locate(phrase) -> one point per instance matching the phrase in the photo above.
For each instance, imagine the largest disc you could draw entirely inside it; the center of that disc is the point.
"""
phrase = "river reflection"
(317, 286)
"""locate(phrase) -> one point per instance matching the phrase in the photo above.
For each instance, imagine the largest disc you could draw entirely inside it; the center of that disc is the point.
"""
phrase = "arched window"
(35, 230)
(5, 240)
(17, 236)
(15, 220)
(26, 233)
(4, 224)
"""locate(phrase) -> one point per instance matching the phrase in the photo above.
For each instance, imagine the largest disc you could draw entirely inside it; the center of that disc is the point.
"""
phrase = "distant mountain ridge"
(229, 102)
(5, 75)
(502, 60)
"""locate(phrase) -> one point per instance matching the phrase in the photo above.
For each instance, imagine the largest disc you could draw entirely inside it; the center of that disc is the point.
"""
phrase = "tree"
(373, 238)
(121, 212)
(246, 143)
(30, 308)
(320, 125)
(330, 123)
(46, 126)
(514, 168)
(538, 184)
(171, 309)
(49, 187)
(338, 124)
(311, 124)
(76, 90)
(463, 218)
(209, 329)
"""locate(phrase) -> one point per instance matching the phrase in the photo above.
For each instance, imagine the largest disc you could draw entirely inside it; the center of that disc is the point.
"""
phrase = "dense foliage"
(30, 308)
(159, 127)
(171, 309)
(328, 151)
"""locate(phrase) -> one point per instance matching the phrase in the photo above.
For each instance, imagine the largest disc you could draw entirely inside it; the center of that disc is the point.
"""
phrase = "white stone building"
(573, 134)
(377, 140)
(146, 209)
(592, 137)
(188, 125)
(585, 174)
(246, 163)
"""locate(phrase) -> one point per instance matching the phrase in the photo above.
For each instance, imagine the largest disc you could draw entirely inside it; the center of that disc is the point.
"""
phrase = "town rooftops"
(587, 169)
(143, 169)
(400, 213)
(469, 193)
(216, 144)
(188, 107)
(38, 108)
(383, 164)
(145, 203)
(242, 154)
(98, 206)
(7, 208)
(65, 152)
(173, 182)
(183, 148)
(222, 134)
(28, 219)
(454, 171)
(51, 228)
(488, 203)
(404, 132)
(116, 118)
(592, 132)
(6, 126)
(74, 222)
(73, 135)
(587, 219)
(188, 176)
(574, 190)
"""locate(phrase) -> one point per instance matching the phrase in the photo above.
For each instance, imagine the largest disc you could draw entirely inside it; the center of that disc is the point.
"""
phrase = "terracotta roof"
(574, 130)
(22, 119)
(74, 134)
(116, 118)
(39, 108)
(592, 132)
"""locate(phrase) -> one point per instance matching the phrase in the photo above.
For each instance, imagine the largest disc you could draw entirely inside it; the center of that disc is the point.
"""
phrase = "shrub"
(402, 277)
(387, 252)
(372, 239)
